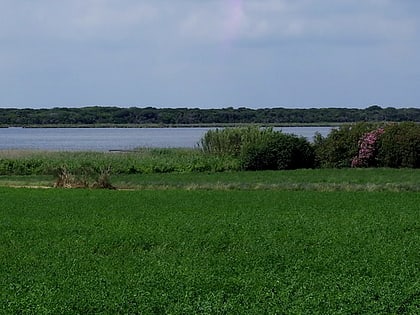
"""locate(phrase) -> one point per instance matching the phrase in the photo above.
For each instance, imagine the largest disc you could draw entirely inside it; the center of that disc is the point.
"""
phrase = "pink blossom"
(367, 148)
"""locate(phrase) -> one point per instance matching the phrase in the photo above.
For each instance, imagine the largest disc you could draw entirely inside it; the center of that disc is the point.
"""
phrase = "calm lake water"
(105, 139)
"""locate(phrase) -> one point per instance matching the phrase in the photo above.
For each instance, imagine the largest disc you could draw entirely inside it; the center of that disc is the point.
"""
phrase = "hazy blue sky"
(210, 53)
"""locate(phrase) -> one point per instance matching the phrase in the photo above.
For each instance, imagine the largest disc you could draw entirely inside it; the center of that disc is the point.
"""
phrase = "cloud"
(77, 19)
(208, 21)
(328, 20)
(206, 52)
(202, 22)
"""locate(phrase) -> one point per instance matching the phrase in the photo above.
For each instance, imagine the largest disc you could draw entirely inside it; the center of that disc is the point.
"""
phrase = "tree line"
(98, 115)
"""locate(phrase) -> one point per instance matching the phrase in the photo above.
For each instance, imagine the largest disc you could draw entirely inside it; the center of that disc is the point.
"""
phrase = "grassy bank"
(207, 252)
(305, 179)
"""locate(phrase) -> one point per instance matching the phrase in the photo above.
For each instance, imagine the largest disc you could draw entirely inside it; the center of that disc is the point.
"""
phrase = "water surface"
(105, 139)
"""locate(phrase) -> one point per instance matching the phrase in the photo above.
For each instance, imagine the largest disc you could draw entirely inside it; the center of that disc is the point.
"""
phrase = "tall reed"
(260, 148)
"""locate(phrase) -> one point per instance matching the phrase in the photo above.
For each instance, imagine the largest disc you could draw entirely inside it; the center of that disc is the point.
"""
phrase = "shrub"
(399, 146)
(103, 179)
(260, 149)
(230, 141)
(64, 179)
(278, 152)
(84, 177)
(368, 149)
(338, 149)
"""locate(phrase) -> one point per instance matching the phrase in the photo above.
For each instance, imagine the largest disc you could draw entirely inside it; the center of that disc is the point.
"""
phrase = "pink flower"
(367, 148)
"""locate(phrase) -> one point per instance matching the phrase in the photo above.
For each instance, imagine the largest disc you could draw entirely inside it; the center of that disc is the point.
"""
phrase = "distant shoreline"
(150, 117)
(218, 125)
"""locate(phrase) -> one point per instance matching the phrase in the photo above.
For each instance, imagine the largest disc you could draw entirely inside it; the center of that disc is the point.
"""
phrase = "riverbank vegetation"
(235, 149)
(141, 161)
(351, 145)
(98, 116)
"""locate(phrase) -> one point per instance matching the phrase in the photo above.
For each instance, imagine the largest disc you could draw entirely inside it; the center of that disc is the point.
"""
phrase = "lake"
(106, 139)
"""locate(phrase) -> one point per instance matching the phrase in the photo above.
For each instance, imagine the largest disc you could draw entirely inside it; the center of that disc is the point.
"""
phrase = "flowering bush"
(340, 146)
(367, 149)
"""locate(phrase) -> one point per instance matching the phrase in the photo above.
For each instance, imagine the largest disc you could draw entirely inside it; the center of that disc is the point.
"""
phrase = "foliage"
(98, 115)
(142, 161)
(370, 145)
(368, 149)
(338, 149)
(260, 148)
(208, 252)
(228, 141)
(232, 141)
(399, 146)
(278, 152)
(233, 149)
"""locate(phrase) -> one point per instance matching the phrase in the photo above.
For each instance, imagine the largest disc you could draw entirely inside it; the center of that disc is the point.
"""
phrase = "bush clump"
(340, 146)
(399, 146)
(368, 149)
(230, 141)
(370, 145)
(260, 148)
(86, 177)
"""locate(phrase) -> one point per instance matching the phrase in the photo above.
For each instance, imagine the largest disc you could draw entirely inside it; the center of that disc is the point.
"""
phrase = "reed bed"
(141, 161)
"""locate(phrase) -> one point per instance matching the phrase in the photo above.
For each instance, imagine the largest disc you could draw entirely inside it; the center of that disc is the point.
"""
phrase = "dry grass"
(66, 179)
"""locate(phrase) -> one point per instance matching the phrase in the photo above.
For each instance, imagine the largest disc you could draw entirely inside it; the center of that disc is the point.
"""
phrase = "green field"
(379, 179)
(179, 251)
(302, 179)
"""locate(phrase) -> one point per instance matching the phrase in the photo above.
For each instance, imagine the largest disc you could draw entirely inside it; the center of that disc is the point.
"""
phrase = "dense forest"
(97, 115)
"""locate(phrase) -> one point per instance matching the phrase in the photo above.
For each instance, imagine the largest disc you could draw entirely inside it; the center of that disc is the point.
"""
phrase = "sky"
(210, 53)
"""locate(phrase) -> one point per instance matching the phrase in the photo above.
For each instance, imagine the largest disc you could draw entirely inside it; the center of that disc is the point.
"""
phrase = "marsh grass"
(141, 161)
